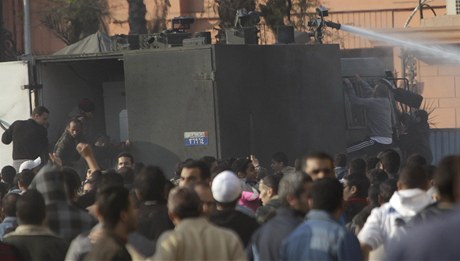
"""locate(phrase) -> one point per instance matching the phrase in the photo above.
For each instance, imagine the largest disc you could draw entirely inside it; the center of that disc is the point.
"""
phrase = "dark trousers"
(366, 149)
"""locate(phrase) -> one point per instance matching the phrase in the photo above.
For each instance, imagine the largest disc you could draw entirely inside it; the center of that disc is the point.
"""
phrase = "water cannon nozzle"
(333, 25)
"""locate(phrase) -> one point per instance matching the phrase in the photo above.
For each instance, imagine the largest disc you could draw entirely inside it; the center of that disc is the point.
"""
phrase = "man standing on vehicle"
(29, 137)
(379, 118)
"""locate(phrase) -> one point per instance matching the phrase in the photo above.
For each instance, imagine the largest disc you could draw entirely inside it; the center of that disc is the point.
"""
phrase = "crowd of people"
(323, 208)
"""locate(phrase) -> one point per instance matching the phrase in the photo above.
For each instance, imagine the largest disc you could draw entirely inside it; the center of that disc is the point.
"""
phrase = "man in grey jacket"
(379, 118)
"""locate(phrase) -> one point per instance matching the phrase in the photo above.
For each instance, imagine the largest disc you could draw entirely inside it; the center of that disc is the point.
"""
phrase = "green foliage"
(275, 13)
(73, 20)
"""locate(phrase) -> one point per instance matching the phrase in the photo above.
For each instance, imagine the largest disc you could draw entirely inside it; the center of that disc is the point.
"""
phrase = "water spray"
(319, 24)
(436, 51)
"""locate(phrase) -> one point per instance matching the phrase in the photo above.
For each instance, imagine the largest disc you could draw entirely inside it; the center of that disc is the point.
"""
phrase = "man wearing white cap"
(226, 190)
(30, 164)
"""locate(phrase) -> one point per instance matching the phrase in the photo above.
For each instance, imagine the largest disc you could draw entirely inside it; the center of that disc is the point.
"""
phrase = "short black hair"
(430, 171)
(74, 120)
(184, 203)
(292, 185)
(391, 161)
(281, 157)
(340, 160)
(72, 181)
(416, 159)
(111, 202)
(327, 194)
(240, 165)
(126, 155)
(138, 166)
(361, 183)
(371, 163)
(318, 155)
(31, 208)
(39, 110)
(358, 166)
(414, 177)
(446, 175)
(222, 166)
(150, 184)
(374, 192)
(26, 177)
(9, 204)
(8, 174)
(209, 160)
(178, 169)
(4, 188)
(205, 172)
(387, 189)
(377, 176)
(272, 181)
(110, 178)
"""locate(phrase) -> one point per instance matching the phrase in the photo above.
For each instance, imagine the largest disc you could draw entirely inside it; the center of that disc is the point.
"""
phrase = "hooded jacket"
(389, 221)
(64, 218)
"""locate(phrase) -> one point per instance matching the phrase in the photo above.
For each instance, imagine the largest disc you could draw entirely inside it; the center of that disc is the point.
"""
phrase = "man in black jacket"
(355, 192)
(116, 208)
(226, 190)
(294, 193)
(29, 137)
(152, 216)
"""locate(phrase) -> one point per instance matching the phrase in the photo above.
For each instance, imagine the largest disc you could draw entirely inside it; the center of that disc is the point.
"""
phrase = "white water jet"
(436, 51)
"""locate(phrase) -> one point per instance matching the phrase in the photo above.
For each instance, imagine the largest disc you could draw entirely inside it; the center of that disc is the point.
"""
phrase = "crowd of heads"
(239, 193)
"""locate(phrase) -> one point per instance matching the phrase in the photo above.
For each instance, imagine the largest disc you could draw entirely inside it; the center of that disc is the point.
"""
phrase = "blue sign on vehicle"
(200, 138)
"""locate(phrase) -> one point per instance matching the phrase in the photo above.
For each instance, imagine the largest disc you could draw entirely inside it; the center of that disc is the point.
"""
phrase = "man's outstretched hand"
(84, 150)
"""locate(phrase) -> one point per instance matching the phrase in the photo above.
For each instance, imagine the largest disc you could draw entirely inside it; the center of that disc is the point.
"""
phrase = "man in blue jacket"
(321, 237)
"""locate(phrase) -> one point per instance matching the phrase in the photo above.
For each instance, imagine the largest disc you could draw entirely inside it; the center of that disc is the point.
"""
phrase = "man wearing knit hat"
(226, 190)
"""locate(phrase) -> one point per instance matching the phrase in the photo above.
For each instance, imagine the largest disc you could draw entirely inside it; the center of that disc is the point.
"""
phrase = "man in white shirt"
(388, 221)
